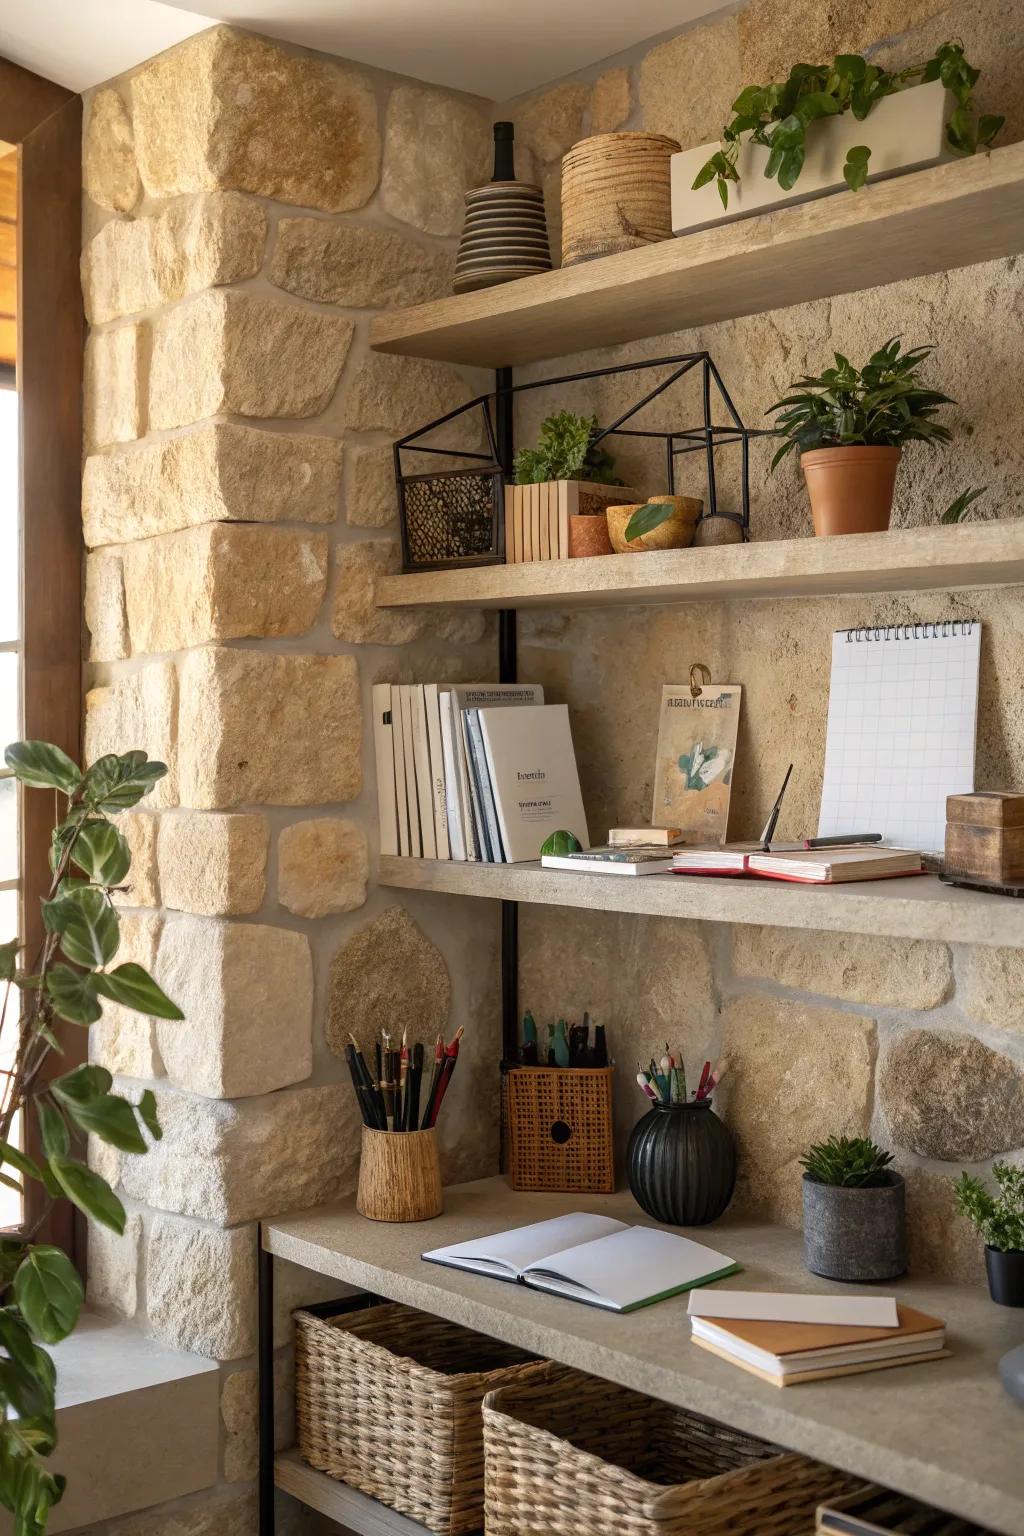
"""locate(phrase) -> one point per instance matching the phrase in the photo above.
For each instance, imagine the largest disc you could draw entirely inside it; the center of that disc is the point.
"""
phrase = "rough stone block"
(246, 991)
(220, 1512)
(345, 264)
(372, 501)
(105, 615)
(947, 1095)
(114, 408)
(124, 1041)
(356, 617)
(239, 1409)
(773, 35)
(213, 865)
(137, 712)
(237, 353)
(322, 867)
(139, 830)
(222, 582)
(797, 1075)
(264, 729)
(552, 122)
(939, 1240)
(856, 967)
(218, 473)
(110, 175)
(201, 1288)
(114, 1267)
(231, 110)
(993, 987)
(137, 264)
(399, 394)
(387, 968)
(610, 101)
(436, 148)
(710, 54)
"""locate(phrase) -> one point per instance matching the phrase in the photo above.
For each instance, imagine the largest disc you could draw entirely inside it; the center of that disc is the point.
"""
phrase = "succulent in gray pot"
(999, 1219)
(854, 1211)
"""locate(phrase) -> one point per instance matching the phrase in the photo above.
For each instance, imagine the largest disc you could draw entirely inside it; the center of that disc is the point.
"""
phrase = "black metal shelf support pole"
(265, 1270)
(507, 673)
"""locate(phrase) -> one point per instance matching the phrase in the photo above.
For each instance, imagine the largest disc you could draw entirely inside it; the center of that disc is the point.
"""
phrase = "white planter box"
(904, 133)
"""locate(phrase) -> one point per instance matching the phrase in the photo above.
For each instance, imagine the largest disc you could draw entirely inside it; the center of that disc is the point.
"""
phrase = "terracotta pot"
(850, 488)
(675, 533)
(588, 535)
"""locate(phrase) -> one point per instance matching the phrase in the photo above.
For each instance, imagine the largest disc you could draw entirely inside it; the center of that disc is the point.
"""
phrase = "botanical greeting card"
(696, 754)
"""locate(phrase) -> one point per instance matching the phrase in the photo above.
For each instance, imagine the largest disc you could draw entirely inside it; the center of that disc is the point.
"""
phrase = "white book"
(791, 1307)
(437, 780)
(533, 776)
(452, 784)
(593, 1259)
(481, 775)
(412, 803)
(817, 1359)
(401, 789)
(424, 786)
(480, 696)
(384, 758)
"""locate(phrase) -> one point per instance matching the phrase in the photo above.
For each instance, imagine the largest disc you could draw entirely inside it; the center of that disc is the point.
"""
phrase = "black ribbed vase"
(682, 1164)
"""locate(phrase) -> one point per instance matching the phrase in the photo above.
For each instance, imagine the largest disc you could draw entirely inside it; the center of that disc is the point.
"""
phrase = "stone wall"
(249, 207)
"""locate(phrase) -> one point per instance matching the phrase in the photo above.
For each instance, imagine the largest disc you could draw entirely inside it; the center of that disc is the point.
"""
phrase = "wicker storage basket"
(560, 1128)
(570, 1455)
(616, 194)
(388, 1400)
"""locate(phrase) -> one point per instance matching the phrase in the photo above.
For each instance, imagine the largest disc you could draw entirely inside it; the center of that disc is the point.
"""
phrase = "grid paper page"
(902, 716)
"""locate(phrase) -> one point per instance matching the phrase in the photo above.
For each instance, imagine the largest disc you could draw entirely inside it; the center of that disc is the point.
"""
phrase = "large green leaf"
(42, 766)
(116, 783)
(87, 924)
(20, 1160)
(110, 1118)
(89, 1192)
(74, 994)
(8, 959)
(646, 518)
(84, 1083)
(49, 1293)
(132, 986)
(53, 1130)
(102, 852)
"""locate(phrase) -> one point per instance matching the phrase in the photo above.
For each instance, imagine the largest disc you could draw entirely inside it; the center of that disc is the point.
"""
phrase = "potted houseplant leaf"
(999, 1219)
(850, 426)
(663, 522)
(563, 487)
(854, 1211)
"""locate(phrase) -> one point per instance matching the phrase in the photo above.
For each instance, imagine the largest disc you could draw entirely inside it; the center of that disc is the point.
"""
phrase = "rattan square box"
(388, 1400)
(560, 1128)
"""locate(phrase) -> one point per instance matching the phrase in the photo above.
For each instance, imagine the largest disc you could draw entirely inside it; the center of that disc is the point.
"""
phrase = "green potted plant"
(850, 426)
(563, 488)
(1000, 1220)
(854, 1211)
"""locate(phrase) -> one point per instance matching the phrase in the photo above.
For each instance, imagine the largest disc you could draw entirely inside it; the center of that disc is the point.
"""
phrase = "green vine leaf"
(111, 1118)
(646, 519)
(53, 1130)
(102, 853)
(42, 766)
(87, 923)
(20, 1160)
(133, 987)
(89, 1192)
(83, 1084)
(49, 1293)
(74, 995)
(8, 960)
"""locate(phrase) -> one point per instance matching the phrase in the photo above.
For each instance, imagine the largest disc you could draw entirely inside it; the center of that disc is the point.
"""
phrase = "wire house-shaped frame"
(456, 517)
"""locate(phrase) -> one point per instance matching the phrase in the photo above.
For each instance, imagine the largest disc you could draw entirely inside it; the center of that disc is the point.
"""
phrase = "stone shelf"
(359, 1515)
(917, 908)
(952, 215)
(903, 560)
(943, 1431)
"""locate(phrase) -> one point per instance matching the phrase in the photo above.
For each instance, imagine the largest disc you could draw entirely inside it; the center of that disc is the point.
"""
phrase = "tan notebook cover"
(823, 1373)
(797, 1338)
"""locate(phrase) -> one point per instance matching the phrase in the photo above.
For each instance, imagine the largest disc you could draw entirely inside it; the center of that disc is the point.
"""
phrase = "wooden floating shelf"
(904, 560)
(917, 908)
(351, 1509)
(953, 215)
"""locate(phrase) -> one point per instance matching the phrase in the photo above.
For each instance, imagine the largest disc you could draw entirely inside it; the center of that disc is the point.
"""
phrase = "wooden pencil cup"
(399, 1176)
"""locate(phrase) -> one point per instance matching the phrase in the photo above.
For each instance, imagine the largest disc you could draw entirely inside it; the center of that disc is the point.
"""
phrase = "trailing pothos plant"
(778, 115)
(68, 979)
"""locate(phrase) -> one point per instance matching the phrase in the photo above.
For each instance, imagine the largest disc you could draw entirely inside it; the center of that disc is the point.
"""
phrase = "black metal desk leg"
(265, 1263)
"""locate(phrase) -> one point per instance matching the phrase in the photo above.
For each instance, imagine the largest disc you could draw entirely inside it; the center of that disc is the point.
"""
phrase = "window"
(11, 1212)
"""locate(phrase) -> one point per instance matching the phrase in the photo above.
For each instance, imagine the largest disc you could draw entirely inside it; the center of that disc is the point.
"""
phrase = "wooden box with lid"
(985, 837)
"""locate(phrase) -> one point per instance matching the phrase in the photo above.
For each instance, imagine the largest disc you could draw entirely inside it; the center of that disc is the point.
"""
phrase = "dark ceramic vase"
(1005, 1276)
(681, 1162)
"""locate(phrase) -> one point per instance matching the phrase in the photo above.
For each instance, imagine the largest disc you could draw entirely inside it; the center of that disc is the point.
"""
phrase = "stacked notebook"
(811, 866)
(477, 773)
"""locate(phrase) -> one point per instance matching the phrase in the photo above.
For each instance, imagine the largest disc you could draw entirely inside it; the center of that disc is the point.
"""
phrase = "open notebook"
(593, 1259)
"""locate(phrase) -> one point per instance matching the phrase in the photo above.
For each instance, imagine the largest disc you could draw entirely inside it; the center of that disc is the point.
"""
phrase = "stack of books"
(480, 773)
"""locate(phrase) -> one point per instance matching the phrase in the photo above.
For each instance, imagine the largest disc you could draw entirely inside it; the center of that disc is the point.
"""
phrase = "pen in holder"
(399, 1176)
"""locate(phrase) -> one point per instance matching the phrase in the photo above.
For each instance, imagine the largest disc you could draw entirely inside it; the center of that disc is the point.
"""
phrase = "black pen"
(841, 842)
(412, 1097)
(773, 819)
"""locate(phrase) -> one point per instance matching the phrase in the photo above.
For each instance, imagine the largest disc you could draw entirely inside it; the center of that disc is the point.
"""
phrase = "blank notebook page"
(902, 717)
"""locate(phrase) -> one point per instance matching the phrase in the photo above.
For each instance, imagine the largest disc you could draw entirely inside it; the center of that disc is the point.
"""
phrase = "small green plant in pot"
(999, 1218)
(850, 426)
(579, 474)
(854, 1211)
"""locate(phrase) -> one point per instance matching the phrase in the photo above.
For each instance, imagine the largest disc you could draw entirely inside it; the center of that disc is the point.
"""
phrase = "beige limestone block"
(552, 122)
(233, 1162)
(939, 1240)
(231, 110)
(993, 987)
(797, 1075)
(388, 970)
(436, 147)
(774, 34)
(213, 865)
(113, 403)
(372, 501)
(610, 101)
(105, 616)
(132, 265)
(139, 830)
(201, 1288)
(218, 1512)
(688, 84)
(237, 353)
(399, 394)
(259, 728)
(855, 967)
(356, 617)
(246, 991)
(221, 472)
(946, 1095)
(239, 1404)
(355, 267)
(114, 1267)
(137, 712)
(123, 1040)
(222, 582)
(110, 175)
(322, 867)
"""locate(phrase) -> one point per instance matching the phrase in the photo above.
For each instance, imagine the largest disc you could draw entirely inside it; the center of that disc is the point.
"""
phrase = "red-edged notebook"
(807, 866)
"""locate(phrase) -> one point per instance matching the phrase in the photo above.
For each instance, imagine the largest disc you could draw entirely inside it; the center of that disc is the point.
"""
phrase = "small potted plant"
(854, 1211)
(563, 488)
(1000, 1220)
(850, 425)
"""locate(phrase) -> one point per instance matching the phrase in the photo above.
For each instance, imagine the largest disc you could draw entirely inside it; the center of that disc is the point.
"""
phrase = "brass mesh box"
(560, 1129)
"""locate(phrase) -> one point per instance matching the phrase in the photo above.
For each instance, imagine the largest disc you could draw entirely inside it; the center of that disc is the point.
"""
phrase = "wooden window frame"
(44, 122)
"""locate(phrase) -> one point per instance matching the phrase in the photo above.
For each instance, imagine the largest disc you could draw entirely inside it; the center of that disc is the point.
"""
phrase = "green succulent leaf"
(42, 766)
(48, 1292)
(89, 1192)
(133, 987)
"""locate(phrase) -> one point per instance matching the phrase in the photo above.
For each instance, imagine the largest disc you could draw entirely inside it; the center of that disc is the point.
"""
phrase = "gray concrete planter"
(855, 1234)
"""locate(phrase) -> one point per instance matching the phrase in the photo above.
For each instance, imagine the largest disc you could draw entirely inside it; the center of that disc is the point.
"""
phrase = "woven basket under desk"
(571, 1455)
(388, 1400)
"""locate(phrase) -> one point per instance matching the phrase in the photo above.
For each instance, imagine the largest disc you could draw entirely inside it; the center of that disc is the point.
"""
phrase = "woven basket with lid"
(616, 194)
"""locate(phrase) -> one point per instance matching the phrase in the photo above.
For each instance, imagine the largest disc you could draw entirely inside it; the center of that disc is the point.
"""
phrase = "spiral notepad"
(902, 718)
